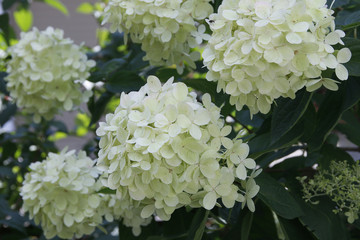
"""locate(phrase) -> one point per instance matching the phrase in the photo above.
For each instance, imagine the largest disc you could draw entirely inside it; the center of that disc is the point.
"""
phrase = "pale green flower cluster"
(126, 211)
(162, 150)
(61, 194)
(261, 50)
(167, 29)
(341, 183)
(46, 72)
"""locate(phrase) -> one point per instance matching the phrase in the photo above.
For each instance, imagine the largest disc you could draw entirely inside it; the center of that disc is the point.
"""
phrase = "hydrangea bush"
(45, 73)
(167, 30)
(162, 150)
(262, 50)
(259, 93)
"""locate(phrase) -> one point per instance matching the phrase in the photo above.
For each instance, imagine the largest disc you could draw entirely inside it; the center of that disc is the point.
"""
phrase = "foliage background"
(310, 123)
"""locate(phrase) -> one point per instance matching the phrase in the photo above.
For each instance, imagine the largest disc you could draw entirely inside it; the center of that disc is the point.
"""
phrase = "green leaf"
(3, 83)
(350, 126)
(287, 113)
(5, 27)
(246, 225)
(350, 26)
(262, 143)
(7, 113)
(6, 4)
(124, 81)
(23, 18)
(274, 195)
(353, 68)
(198, 224)
(107, 69)
(330, 111)
(125, 233)
(352, 18)
(294, 230)
(337, 3)
(57, 4)
(329, 152)
(85, 8)
(320, 219)
(202, 85)
(99, 107)
(107, 191)
(243, 117)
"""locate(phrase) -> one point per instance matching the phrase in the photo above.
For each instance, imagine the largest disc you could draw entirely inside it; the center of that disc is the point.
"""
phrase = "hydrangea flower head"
(166, 29)
(162, 149)
(61, 194)
(263, 49)
(45, 73)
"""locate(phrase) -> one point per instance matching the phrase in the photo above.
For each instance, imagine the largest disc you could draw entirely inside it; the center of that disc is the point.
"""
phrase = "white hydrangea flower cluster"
(46, 72)
(263, 49)
(167, 30)
(126, 211)
(162, 150)
(61, 194)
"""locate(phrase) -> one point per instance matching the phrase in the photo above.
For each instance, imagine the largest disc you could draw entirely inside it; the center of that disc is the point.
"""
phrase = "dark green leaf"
(5, 172)
(262, 143)
(6, 4)
(202, 85)
(4, 26)
(3, 83)
(243, 117)
(263, 226)
(267, 158)
(331, 110)
(7, 113)
(274, 195)
(125, 233)
(337, 3)
(124, 81)
(107, 191)
(353, 68)
(352, 18)
(294, 230)
(287, 113)
(100, 106)
(350, 26)
(330, 152)
(198, 224)
(107, 69)
(350, 126)
(320, 219)
(246, 226)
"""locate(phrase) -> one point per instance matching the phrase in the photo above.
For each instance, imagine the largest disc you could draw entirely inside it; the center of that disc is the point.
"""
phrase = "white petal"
(241, 172)
(341, 72)
(344, 55)
(209, 200)
(147, 211)
(230, 15)
(293, 38)
(195, 131)
(153, 83)
(202, 117)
